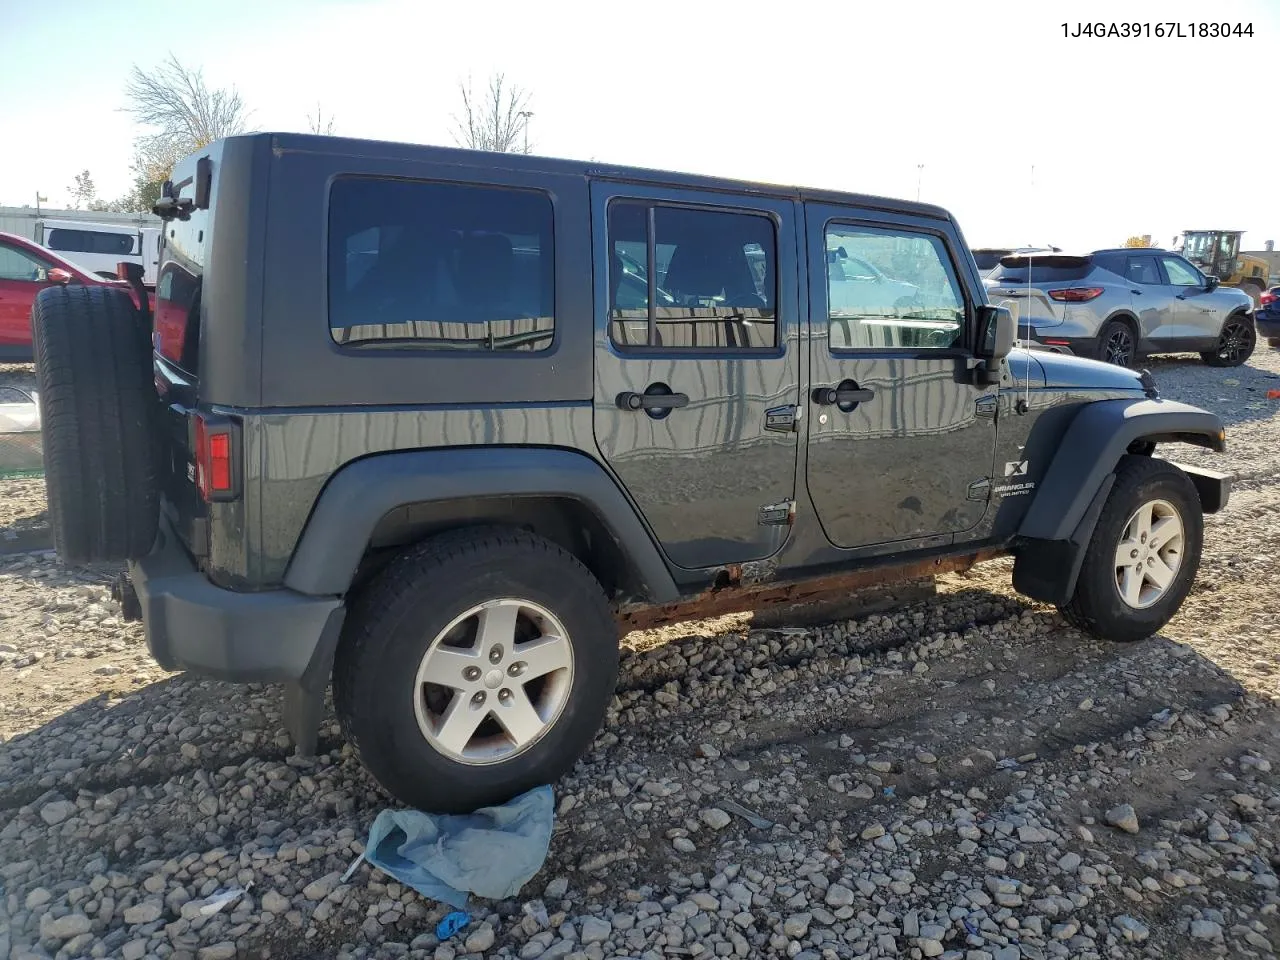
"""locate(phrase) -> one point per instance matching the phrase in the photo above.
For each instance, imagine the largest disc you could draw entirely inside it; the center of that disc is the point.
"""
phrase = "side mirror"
(58, 275)
(996, 331)
(1211, 282)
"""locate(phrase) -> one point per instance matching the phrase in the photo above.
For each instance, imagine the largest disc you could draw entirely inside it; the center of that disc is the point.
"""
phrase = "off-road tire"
(97, 404)
(1110, 329)
(1096, 606)
(397, 616)
(1240, 326)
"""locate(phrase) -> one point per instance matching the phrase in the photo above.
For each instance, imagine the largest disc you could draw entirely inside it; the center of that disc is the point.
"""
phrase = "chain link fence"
(21, 446)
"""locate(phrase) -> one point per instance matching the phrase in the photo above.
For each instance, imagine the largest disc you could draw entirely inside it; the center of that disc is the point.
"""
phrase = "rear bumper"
(272, 636)
(1045, 339)
(1268, 324)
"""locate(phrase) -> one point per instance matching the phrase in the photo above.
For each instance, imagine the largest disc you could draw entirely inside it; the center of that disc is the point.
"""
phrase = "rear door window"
(444, 266)
(1141, 269)
(714, 281)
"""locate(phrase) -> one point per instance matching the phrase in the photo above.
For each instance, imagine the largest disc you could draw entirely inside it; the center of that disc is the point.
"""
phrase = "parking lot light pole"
(525, 115)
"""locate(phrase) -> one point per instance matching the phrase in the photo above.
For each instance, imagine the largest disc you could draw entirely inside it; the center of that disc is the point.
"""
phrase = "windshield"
(1198, 247)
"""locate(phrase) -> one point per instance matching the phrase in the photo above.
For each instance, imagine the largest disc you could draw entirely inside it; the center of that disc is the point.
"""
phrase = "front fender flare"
(1057, 528)
(360, 494)
(1092, 446)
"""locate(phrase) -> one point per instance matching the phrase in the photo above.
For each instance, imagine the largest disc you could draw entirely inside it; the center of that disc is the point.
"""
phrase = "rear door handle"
(842, 395)
(627, 400)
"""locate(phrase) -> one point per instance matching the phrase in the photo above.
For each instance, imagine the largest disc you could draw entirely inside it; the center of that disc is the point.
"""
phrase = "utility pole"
(38, 199)
(525, 115)
(919, 177)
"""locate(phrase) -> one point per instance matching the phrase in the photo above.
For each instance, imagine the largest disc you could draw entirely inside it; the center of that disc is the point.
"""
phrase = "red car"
(26, 268)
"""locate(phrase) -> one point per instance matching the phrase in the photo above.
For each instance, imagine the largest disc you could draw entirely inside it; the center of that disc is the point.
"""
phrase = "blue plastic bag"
(492, 852)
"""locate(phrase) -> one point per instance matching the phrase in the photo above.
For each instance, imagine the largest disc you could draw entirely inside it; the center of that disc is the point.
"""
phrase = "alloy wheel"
(1149, 554)
(1119, 347)
(493, 682)
(1235, 342)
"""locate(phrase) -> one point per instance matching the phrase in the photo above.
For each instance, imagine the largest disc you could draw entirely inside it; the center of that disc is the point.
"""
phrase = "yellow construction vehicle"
(1217, 252)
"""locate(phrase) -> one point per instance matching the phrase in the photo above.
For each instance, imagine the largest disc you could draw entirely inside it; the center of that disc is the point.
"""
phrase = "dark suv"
(439, 425)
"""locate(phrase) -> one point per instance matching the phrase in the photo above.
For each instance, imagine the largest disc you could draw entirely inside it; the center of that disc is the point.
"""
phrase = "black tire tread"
(1132, 472)
(378, 607)
(1211, 358)
(96, 398)
(1103, 336)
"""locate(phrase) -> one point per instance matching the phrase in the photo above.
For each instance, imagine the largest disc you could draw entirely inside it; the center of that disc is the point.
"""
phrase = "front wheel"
(1235, 343)
(1144, 553)
(477, 666)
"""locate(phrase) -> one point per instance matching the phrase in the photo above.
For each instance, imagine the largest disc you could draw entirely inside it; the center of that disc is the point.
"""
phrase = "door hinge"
(784, 419)
(782, 513)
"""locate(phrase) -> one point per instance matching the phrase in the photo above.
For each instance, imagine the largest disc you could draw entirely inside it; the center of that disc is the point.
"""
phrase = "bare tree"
(82, 190)
(497, 120)
(318, 123)
(182, 114)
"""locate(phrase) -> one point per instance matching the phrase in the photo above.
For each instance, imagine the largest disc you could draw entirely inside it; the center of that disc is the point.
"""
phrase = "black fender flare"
(362, 492)
(1057, 528)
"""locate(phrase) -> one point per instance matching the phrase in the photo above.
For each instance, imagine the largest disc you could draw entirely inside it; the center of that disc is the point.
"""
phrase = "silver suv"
(1119, 305)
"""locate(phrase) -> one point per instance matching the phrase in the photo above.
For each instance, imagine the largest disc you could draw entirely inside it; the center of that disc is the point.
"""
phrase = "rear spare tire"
(97, 401)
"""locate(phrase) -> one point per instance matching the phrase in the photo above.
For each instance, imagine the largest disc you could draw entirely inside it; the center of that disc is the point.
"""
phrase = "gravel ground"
(966, 778)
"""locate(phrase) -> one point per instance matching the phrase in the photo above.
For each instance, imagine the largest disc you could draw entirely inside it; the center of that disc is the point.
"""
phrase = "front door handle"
(628, 400)
(842, 395)
(1181, 296)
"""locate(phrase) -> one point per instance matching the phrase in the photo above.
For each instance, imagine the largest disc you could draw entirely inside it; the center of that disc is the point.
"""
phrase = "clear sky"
(1125, 136)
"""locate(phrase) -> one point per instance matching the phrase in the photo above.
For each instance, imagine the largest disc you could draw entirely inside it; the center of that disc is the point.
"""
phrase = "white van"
(98, 247)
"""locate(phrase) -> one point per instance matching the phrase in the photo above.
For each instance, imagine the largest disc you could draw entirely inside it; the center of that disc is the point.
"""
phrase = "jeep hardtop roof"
(385, 149)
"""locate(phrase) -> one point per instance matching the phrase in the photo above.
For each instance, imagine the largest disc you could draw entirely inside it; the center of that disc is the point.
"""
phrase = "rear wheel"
(97, 400)
(1117, 344)
(475, 667)
(1235, 343)
(1143, 555)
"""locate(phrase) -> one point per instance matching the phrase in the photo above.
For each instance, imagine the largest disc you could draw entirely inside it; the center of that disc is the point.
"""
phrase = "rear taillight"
(217, 455)
(1075, 294)
(1269, 298)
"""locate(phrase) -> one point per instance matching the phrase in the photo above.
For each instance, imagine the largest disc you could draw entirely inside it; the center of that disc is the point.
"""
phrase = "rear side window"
(178, 289)
(443, 266)
(1038, 271)
(711, 285)
(90, 241)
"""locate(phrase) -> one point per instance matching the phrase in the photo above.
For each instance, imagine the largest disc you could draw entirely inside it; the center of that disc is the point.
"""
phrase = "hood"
(1078, 373)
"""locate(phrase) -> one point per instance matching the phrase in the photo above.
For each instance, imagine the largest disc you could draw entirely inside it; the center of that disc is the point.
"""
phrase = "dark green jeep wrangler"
(437, 425)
